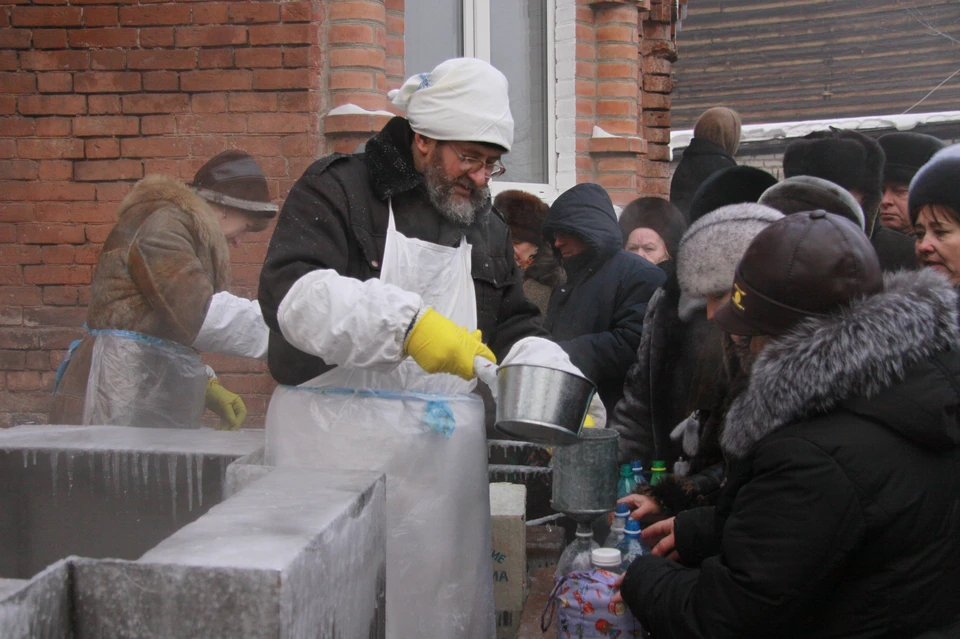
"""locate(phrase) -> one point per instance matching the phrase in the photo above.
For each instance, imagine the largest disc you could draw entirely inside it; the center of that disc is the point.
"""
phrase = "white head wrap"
(462, 99)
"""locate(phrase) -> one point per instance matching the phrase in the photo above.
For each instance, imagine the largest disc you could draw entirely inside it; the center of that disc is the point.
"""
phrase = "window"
(516, 37)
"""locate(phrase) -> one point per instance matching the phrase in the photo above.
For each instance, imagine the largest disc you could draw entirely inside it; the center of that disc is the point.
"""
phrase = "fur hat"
(714, 244)
(732, 185)
(905, 153)
(848, 158)
(937, 183)
(808, 193)
(657, 214)
(524, 213)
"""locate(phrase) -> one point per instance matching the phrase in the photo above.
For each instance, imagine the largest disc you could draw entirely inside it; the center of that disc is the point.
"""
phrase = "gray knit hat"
(714, 244)
(804, 193)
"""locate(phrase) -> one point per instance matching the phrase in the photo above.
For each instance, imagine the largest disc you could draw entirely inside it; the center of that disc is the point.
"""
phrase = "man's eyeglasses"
(472, 165)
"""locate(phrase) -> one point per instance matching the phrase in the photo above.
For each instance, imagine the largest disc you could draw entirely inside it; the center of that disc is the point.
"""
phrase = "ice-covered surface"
(353, 109)
(123, 438)
(244, 471)
(786, 130)
(8, 586)
(507, 500)
(39, 609)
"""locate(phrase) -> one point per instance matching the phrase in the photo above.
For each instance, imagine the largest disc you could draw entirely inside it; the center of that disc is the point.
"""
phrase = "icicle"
(115, 470)
(200, 480)
(70, 457)
(135, 472)
(34, 456)
(172, 470)
(188, 461)
(105, 465)
(145, 471)
(90, 459)
(54, 458)
(124, 467)
(26, 454)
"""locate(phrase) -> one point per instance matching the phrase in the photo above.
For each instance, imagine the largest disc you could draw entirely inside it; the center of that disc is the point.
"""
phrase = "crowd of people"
(788, 348)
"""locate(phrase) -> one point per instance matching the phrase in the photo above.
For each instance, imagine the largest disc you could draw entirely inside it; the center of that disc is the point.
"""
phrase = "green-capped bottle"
(657, 471)
(626, 484)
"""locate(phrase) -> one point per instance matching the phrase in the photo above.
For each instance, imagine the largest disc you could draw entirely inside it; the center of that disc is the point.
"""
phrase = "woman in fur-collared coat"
(159, 270)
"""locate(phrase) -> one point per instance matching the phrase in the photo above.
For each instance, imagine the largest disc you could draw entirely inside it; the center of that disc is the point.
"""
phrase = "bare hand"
(617, 597)
(660, 538)
(640, 505)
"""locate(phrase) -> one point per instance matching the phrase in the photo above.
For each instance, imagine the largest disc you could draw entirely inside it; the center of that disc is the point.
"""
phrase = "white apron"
(426, 433)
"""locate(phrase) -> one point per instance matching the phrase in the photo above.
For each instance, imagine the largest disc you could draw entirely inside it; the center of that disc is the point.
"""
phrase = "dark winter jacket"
(896, 250)
(656, 392)
(335, 217)
(701, 159)
(841, 512)
(541, 277)
(597, 315)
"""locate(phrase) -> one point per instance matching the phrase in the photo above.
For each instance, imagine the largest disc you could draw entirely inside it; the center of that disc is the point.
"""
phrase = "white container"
(606, 559)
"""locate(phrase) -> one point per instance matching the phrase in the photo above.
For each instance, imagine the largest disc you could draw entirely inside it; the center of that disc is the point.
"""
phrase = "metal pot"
(541, 404)
(585, 475)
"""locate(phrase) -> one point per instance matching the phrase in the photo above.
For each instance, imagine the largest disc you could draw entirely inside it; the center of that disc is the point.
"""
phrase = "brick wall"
(95, 96)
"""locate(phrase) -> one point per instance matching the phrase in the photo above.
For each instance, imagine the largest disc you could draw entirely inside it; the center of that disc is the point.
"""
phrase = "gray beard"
(440, 193)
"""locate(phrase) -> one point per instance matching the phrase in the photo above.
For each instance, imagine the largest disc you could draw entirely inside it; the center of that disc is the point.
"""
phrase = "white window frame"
(477, 44)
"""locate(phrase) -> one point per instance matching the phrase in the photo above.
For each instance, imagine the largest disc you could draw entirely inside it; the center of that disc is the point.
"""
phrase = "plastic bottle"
(632, 546)
(657, 471)
(626, 485)
(576, 556)
(638, 477)
(617, 526)
(608, 559)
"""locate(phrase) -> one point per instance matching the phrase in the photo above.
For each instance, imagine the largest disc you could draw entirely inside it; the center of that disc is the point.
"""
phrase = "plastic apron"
(426, 433)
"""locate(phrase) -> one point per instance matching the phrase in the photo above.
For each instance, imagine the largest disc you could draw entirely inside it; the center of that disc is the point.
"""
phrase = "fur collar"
(202, 217)
(857, 353)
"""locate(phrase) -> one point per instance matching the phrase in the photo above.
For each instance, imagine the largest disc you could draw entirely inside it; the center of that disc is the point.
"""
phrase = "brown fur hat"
(524, 213)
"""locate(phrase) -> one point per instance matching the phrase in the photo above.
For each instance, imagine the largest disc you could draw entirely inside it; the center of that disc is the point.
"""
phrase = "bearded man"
(382, 267)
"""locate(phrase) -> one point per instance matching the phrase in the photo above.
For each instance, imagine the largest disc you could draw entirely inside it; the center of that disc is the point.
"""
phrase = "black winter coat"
(335, 217)
(597, 315)
(841, 513)
(701, 159)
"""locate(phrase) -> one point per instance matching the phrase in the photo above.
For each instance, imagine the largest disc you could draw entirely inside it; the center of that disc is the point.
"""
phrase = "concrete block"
(508, 527)
(38, 608)
(244, 471)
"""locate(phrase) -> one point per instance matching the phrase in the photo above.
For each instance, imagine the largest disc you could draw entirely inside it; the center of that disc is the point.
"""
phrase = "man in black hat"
(905, 154)
(840, 514)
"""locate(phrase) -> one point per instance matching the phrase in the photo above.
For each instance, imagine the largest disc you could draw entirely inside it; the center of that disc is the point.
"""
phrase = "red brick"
(59, 295)
(236, 80)
(154, 147)
(103, 104)
(155, 15)
(107, 170)
(246, 102)
(15, 38)
(156, 103)
(100, 16)
(12, 360)
(8, 233)
(259, 57)
(658, 83)
(56, 170)
(151, 37)
(280, 79)
(357, 11)
(350, 80)
(296, 11)
(108, 60)
(357, 58)
(57, 254)
(210, 36)
(188, 124)
(54, 60)
(162, 167)
(280, 34)
(87, 254)
(350, 34)
(161, 81)
(152, 59)
(657, 66)
(52, 105)
(11, 275)
(105, 125)
(257, 146)
(8, 61)
(49, 38)
(17, 127)
(45, 275)
(18, 83)
(395, 47)
(45, 16)
(209, 13)
(277, 123)
(54, 127)
(18, 170)
(55, 82)
(50, 233)
(253, 12)
(157, 124)
(39, 149)
(39, 360)
(76, 212)
(69, 317)
(655, 101)
(97, 232)
(215, 58)
(296, 57)
(106, 82)
(208, 103)
(21, 295)
(103, 38)
(18, 254)
(59, 191)
(8, 105)
(8, 149)
(11, 316)
(298, 102)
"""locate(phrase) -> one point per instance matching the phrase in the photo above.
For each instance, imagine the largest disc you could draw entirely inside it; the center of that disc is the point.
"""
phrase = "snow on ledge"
(788, 130)
(600, 133)
(353, 109)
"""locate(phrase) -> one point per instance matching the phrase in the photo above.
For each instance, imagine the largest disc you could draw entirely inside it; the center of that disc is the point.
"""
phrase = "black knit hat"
(937, 183)
(524, 213)
(657, 214)
(848, 158)
(906, 153)
(733, 185)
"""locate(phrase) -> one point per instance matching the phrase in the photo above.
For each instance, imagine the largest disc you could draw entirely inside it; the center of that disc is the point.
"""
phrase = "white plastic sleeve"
(233, 326)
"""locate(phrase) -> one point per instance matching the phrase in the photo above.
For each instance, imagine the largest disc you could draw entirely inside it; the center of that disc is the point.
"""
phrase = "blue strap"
(66, 362)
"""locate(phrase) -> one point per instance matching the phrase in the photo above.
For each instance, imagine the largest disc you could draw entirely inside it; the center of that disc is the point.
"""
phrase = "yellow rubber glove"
(440, 346)
(588, 422)
(227, 405)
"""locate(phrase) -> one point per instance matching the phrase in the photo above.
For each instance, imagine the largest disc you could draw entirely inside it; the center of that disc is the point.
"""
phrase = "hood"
(587, 212)
(860, 359)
